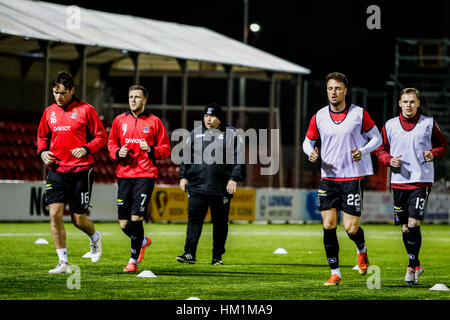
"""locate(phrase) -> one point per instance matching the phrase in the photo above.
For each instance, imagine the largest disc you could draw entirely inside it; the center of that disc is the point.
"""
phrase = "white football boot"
(62, 267)
(96, 248)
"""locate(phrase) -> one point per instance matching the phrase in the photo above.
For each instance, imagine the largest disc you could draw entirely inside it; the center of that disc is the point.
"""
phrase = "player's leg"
(59, 237)
(352, 199)
(331, 244)
(146, 241)
(329, 206)
(140, 193)
(416, 207)
(79, 205)
(197, 209)
(56, 197)
(220, 210)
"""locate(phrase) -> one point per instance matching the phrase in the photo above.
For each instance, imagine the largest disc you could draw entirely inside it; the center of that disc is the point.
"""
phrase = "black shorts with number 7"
(341, 195)
(133, 196)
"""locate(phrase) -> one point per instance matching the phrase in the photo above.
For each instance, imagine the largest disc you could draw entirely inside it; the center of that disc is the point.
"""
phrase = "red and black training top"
(63, 129)
(130, 130)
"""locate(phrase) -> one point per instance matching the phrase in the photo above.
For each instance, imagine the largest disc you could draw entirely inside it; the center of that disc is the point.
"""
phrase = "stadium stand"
(19, 161)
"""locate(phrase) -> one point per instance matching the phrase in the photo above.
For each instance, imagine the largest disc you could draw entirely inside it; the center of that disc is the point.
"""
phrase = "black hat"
(214, 109)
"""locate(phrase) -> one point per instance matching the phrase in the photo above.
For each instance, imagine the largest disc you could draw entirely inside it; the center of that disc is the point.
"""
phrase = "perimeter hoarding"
(171, 204)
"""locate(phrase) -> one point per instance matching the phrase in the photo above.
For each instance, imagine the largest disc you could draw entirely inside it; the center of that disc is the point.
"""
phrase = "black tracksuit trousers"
(197, 210)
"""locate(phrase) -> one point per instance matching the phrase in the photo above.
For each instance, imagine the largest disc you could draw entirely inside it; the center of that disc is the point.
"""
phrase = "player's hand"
(123, 151)
(144, 146)
(47, 157)
(314, 155)
(356, 155)
(79, 152)
(183, 183)
(396, 162)
(429, 156)
(231, 186)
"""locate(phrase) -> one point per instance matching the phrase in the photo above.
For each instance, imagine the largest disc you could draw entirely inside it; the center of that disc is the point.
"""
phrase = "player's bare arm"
(47, 157)
(123, 151)
(396, 162)
(429, 156)
(79, 152)
(183, 183)
(231, 186)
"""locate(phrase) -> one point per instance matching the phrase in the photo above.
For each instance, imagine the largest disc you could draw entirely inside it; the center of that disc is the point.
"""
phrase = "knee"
(412, 223)
(351, 230)
(78, 219)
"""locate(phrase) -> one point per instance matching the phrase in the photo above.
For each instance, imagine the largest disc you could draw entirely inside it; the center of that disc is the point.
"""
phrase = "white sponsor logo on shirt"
(61, 128)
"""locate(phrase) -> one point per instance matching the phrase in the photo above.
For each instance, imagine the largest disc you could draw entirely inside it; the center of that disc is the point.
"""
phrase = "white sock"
(133, 260)
(94, 237)
(144, 242)
(364, 249)
(336, 271)
(62, 254)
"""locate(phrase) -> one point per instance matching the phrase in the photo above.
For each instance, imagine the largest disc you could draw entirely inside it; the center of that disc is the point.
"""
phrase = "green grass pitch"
(251, 270)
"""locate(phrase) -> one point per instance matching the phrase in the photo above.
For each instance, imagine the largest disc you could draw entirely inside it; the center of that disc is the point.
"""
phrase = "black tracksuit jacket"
(212, 179)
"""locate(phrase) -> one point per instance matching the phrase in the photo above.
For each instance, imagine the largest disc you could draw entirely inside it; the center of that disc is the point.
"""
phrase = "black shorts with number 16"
(342, 195)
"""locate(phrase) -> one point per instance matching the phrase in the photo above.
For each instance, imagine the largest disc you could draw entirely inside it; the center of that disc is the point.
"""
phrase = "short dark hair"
(138, 87)
(410, 90)
(338, 77)
(64, 78)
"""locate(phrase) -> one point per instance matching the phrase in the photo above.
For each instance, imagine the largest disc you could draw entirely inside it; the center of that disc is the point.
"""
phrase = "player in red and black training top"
(348, 135)
(411, 142)
(69, 133)
(136, 140)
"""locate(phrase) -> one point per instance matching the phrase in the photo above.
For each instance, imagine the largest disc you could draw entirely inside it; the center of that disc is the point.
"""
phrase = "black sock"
(358, 238)
(331, 244)
(137, 236)
(127, 230)
(414, 243)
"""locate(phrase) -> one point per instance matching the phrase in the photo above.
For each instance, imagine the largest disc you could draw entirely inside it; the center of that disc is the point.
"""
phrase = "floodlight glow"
(254, 27)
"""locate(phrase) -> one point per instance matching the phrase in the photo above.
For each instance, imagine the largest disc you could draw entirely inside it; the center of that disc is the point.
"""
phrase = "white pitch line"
(46, 234)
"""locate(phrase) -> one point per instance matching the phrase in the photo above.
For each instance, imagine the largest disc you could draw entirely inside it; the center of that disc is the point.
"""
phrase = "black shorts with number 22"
(341, 195)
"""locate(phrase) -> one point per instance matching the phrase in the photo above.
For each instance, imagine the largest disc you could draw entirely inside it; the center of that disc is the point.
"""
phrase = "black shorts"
(133, 196)
(409, 204)
(341, 195)
(72, 188)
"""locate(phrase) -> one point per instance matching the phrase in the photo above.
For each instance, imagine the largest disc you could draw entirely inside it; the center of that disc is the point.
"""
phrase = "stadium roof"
(109, 37)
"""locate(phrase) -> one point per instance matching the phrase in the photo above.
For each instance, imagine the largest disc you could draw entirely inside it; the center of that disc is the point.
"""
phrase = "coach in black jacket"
(210, 181)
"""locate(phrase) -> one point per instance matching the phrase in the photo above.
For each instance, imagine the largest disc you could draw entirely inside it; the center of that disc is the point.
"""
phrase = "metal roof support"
(271, 112)
(184, 92)
(82, 58)
(297, 138)
(229, 71)
(45, 47)
(135, 58)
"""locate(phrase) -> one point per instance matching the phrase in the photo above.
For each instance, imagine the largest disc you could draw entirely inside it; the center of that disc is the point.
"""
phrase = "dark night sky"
(323, 36)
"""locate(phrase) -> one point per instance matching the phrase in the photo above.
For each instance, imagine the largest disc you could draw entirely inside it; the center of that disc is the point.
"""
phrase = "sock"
(414, 242)
(358, 239)
(62, 254)
(94, 237)
(331, 245)
(137, 236)
(144, 242)
(133, 260)
(336, 271)
(127, 230)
